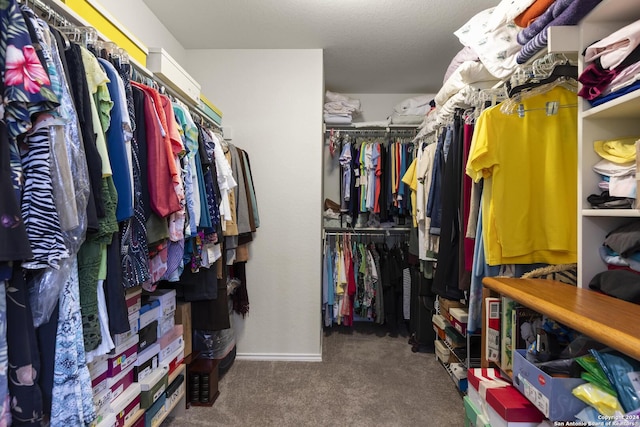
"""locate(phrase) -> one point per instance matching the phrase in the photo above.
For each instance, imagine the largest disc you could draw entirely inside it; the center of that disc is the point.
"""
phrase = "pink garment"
(613, 49)
(626, 77)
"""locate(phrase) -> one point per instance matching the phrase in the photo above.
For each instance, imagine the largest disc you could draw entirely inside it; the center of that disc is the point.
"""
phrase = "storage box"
(509, 408)
(174, 392)
(102, 403)
(446, 305)
(170, 341)
(155, 412)
(148, 313)
(183, 317)
(125, 355)
(174, 360)
(474, 417)
(118, 384)
(166, 323)
(153, 386)
(99, 383)
(459, 375)
(442, 351)
(148, 335)
(166, 356)
(133, 298)
(167, 298)
(552, 396)
(460, 319)
(147, 362)
(453, 338)
(118, 339)
(480, 380)
(438, 325)
(127, 404)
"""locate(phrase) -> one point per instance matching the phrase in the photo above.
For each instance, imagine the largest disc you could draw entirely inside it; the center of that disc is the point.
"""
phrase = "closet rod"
(367, 231)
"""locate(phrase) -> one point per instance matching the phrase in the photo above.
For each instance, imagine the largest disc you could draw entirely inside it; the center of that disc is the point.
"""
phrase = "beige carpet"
(366, 378)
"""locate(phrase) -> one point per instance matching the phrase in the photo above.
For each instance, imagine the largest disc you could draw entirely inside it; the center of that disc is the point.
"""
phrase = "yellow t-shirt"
(411, 179)
(530, 205)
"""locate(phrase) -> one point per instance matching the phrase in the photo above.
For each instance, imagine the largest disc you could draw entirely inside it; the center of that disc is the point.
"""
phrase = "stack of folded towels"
(339, 109)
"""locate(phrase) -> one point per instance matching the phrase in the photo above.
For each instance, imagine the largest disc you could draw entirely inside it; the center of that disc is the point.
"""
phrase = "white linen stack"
(339, 109)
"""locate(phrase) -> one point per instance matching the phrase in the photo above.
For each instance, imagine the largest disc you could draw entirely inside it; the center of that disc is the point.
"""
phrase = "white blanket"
(468, 72)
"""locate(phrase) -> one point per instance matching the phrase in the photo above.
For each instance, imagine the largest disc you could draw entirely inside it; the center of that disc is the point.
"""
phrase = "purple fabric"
(543, 20)
(570, 15)
(594, 80)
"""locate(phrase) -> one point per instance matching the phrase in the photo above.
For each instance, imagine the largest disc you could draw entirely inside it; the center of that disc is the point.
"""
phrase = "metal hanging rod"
(366, 231)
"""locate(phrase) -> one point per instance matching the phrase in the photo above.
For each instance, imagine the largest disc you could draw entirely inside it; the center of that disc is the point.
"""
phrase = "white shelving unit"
(617, 118)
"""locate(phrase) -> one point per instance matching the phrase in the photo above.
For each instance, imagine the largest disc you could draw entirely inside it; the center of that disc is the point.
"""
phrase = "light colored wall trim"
(275, 357)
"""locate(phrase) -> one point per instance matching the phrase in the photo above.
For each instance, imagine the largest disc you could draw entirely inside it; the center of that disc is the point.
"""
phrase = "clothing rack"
(366, 231)
(60, 17)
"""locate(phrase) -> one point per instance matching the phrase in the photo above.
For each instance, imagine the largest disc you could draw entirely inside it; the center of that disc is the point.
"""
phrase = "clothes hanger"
(514, 104)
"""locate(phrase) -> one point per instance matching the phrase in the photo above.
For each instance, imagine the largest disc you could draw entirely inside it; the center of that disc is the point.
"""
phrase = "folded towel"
(336, 107)
(406, 119)
(536, 9)
(332, 97)
(379, 123)
(543, 20)
(334, 119)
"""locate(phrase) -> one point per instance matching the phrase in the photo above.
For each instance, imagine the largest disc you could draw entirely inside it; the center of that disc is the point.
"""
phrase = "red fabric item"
(163, 198)
(536, 9)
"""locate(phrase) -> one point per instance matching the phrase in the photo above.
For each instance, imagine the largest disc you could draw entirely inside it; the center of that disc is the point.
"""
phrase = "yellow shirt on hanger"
(530, 202)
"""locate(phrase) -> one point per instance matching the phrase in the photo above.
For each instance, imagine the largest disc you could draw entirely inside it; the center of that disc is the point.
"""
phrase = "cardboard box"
(124, 356)
(460, 319)
(174, 391)
(552, 396)
(453, 338)
(104, 419)
(167, 298)
(183, 317)
(147, 362)
(442, 351)
(439, 324)
(492, 337)
(148, 313)
(459, 375)
(118, 384)
(167, 353)
(509, 408)
(446, 305)
(153, 386)
(166, 323)
(133, 298)
(127, 404)
(155, 412)
(148, 335)
(480, 380)
(473, 415)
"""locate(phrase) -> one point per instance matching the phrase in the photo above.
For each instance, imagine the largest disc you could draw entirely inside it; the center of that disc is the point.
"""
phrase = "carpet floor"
(366, 378)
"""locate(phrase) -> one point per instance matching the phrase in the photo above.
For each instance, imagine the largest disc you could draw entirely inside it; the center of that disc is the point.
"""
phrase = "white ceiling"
(370, 46)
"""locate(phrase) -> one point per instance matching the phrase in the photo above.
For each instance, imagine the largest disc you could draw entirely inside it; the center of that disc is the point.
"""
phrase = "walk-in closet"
(261, 213)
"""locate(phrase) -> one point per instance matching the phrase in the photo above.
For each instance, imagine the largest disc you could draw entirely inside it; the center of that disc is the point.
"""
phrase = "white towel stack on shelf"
(339, 109)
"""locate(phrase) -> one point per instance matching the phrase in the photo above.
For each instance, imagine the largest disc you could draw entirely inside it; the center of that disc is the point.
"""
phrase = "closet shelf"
(624, 107)
(612, 321)
(608, 213)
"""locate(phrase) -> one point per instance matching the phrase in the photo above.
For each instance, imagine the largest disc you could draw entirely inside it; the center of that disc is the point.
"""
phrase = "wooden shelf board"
(168, 412)
(611, 321)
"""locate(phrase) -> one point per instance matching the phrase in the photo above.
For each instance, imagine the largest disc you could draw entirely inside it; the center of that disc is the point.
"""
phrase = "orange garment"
(537, 8)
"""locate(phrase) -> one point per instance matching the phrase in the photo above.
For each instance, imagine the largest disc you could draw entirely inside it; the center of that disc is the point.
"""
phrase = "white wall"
(375, 107)
(273, 100)
(140, 21)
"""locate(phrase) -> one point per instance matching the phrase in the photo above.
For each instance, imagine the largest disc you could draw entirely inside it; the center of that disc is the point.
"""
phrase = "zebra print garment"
(37, 207)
